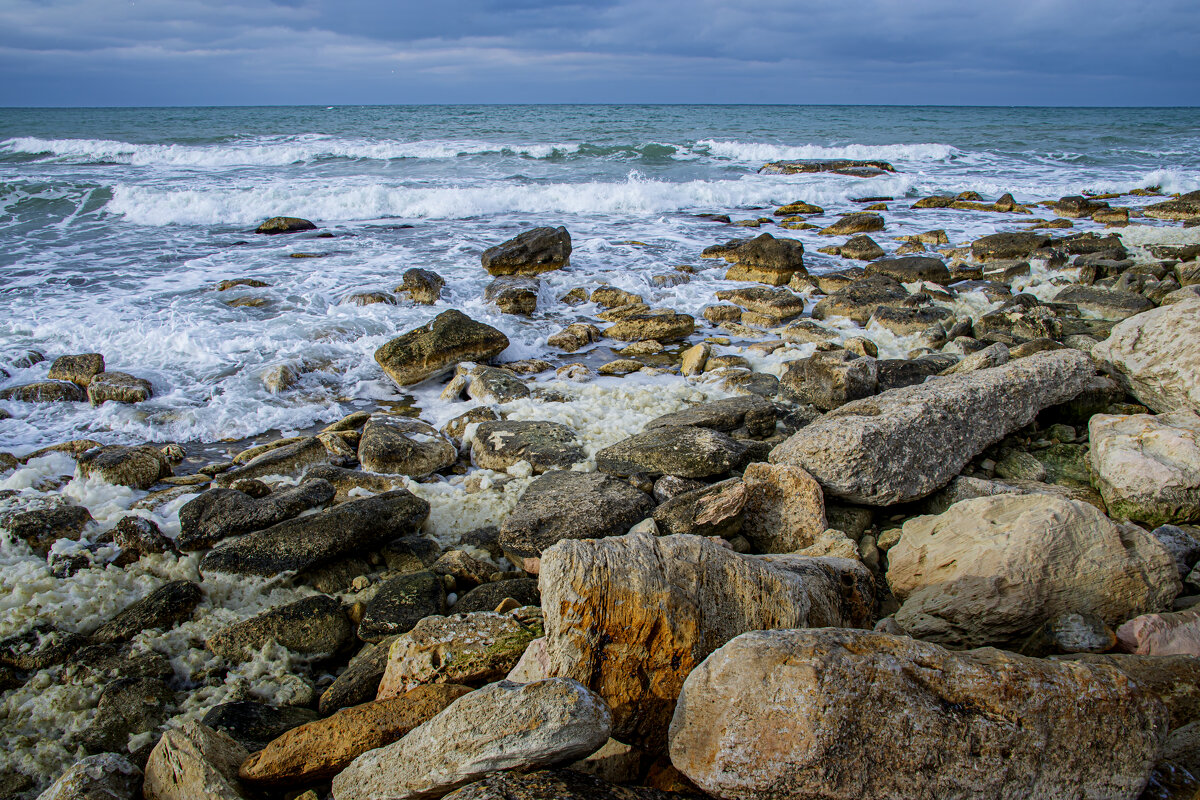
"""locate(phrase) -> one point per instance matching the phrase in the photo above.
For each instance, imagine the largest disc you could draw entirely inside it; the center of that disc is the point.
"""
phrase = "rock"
(685, 451)
(137, 537)
(422, 285)
(194, 762)
(499, 727)
(1071, 633)
(233, 283)
(663, 327)
(841, 166)
(44, 392)
(765, 306)
(864, 714)
(559, 784)
(1077, 207)
(357, 526)
(829, 380)
(630, 616)
(784, 510)
(252, 724)
(912, 269)
(79, 369)
(620, 367)
(612, 297)
(106, 776)
(513, 294)
(859, 299)
(1104, 303)
(763, 258)
(575, 505)
(859, 222)
(714, 510)
(313, 626)
(861, 248)
(318, 750)
(464, 649)
(368, 299)
(220, 513)
(907, 443)
(751, 412)
(38, 648)
(1185, 207)
(400, 604)
(994, 569)
(404, 446)
(293, 459)
(530, 253)
(120, 387)
(167, 605)
(437, 347)
(137, 467)
(1148, 467)
(487, 596)
(127, 707)
(575, 336)
(466, 571)
(1000, 246)
(1153, 355)
(545, 445)
(285, 225)
(905, 321)
(1173, 634)
(994, 355)
(360, 680)
(42, 527)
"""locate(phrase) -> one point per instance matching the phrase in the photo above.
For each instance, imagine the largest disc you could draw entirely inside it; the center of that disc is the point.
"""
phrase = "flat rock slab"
(751, 412)
(220, 513)
(313, 626)
(1147, 467)
(1155, 357)
(167, 605)
(907, 443)
(437, 347)
(394, 445)
(297, 544)
(683, 451)
(290, 459)
(911, 269)
(862, 714)
(545, 445)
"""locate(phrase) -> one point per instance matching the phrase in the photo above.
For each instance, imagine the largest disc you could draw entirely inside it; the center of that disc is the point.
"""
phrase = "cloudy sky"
(201, 52)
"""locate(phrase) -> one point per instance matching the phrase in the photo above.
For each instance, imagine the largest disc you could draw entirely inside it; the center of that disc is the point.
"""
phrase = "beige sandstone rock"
(839, 714)
(785, 508)
(1148, 467)
(993, 569)
(194, 763)
(1154, 355)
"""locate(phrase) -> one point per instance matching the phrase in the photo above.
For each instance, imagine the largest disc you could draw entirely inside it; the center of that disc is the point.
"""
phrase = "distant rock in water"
(534, 251)
(285, 225)
(434, 348)
(857, 169)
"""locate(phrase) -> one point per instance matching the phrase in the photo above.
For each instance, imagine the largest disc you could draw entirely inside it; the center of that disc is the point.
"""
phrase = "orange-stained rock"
(319, 750)
(785, 508)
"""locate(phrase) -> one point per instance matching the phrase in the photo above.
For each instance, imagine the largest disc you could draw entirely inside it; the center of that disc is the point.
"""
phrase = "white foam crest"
(762, 151)
(270, 151)
(635, 195)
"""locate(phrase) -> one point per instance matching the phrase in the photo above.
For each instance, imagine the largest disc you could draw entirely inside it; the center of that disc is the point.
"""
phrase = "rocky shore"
(923, 525)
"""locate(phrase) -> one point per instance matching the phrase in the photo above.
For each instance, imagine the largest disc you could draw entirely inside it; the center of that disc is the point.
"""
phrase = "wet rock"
(106, 776)
(756, 415)
(128, 706)
(858, 300)
(841, 166)
(435, 348)
(1185, 207)
(612, 297)
(999, 246)
(422, 285)
(499, 727)
(193, 762)
(764, 306)
(345, 481)
(994, 569)
(42, 527)
(292, 459)
(574, 337)
(912, 269)
(400, 604)
(545, 445)
(360, 680)
(276, 225)
(663, 327)
(138, 467)
(909, 442)
(166, 606)
(631, 616)
(859, 222)
(513, 294)
(78, 369)
(860, 248)
(404, 446)
(368, 299)
(44, 392)
(1104, 303)
(318, 750)
(764, 258)
(1147, 467)
(38, 648)
(685, 451)
(494, 385)
(487, 596)
(885, 709)
(530, 253)
(575, 505)
(799, 207)
(313, 626)
(357, 526)
(1077, 207)
(137, 537)
(120, 387)
(620, 367)
(220, 513)
(252, 724)
(829, 380)
(714, 510)
(1153, 356)
(905, 320)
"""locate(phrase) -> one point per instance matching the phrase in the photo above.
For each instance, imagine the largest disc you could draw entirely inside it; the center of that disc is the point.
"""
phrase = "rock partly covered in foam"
(220, 513)
(396, 445)
(907, 443)
(824, 714)
(545, 445)
(684, 451)
(106, 776)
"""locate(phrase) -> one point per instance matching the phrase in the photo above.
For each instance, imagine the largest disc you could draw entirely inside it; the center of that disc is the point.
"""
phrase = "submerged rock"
(841, 166)
(44, 392)
(513, 294)
(285, 225)
(422, 285)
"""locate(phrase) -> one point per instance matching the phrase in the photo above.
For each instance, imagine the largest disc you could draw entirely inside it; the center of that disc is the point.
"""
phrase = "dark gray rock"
(42, 527)
(513, 294)
(220, 513)
(906, 320)
(558, 784)
(276, 225)
(685, 451)
(292, 459)
(529, 253)
(714, 510)
(763, 258)
(359, 682)
(128, 706)
(137, 467)
(410, 553)
(252, 724)
(400, 604)
(999, 246)
(394, 445)
(40, 647)
(571, 505)
(346, 480)
(357, 526)
(100, 663)
(829, 380)
(486, 596)
(1104, 303)
(911, 269)
(313, 626)
(895, 373)
(137, 537)
(435, 348)
(756, 414)
(545, 445)
(669, 486)
(167, 605)
(841, 166)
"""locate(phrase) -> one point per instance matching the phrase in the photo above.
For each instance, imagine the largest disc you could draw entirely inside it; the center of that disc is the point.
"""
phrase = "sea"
(117, 224)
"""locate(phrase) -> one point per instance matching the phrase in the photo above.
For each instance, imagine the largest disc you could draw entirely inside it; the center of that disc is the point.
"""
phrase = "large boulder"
(661, 327)
(631, 616)
(1104, 303)
(1174, 634)
(911, 269)
(684, 451)
(907, 443)
(1147, 467)
(220, 513)
(569, 505)
(834, 714)
(321, 749)
(438, 346)
(136, 467)
(829, 380)
(1185, 207)
(1154, 356)
(857, 222)
(993, 569)
(764, 259)
(529, 253)
(105, 776)
(194, 762)
(784, 510)
(120, 387)
(545, 445)
(395, 445)
(502, 726)
(357, 526)
(276, 225)
(859, 299)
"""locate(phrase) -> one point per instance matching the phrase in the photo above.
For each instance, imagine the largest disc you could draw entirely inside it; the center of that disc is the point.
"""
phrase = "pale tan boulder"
(837, 714)
(993, 569)
(1147, 467)
(784, 510)
(194, 762)
(1154, 355)
(630, 616)
(320, 749)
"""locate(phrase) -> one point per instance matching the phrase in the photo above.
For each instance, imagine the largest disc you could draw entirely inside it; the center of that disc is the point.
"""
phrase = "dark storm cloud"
(1097, 52)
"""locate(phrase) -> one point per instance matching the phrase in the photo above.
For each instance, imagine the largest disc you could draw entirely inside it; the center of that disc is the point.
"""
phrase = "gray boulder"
(684, 451)
(312, 626)
(400, 604)
(911, 269)
(513, 294)
(545, 445)
(220, 513)
(530, 253)
(435, 348)
(751, 412)
(395, 445)
(164, 607)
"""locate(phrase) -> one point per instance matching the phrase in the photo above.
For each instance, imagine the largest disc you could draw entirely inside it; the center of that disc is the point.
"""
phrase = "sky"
(912, 52)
